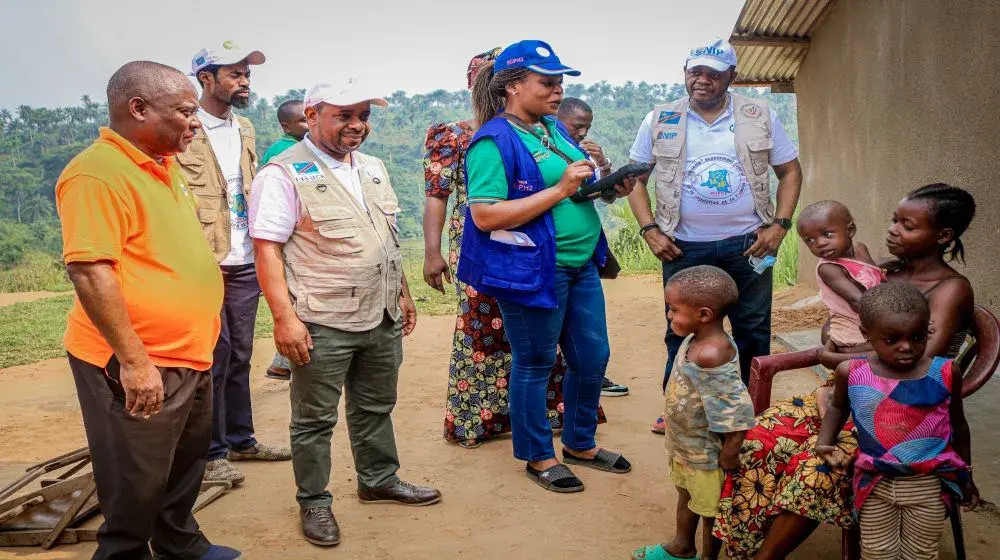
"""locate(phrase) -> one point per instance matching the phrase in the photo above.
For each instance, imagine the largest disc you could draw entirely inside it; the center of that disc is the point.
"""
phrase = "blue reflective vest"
(513, 272)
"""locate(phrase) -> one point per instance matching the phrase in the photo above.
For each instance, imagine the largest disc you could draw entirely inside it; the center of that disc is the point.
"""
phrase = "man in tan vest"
(220, 165)
(712, 151)
(323, 219)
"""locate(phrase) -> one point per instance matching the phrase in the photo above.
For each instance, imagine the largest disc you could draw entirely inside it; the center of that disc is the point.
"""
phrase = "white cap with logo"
(718, 56)
(229, 52)
(342, 93)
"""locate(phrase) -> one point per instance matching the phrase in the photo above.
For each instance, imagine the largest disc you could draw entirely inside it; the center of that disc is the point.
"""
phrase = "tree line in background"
(37, 143)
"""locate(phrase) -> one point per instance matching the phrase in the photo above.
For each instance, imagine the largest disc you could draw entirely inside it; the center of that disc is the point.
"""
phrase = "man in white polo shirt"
(219, 166)
(712, 151)
(323, 220)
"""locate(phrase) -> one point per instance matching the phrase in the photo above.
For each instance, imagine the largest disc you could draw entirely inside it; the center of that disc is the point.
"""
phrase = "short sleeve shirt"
(227, 145)
(274, 201)
(701, 405)
(577, 224)
(118, 205)
(716, 198)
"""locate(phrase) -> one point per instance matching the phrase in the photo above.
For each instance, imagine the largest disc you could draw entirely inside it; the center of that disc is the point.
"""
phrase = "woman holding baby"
(783, 490)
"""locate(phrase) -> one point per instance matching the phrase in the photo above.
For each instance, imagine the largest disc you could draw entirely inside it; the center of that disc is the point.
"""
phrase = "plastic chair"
(984, 357)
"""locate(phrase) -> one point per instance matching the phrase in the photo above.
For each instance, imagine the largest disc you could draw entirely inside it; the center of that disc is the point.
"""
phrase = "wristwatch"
(784, 223)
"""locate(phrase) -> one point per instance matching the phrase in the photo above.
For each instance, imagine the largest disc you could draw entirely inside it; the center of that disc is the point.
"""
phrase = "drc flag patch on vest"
(669, 117)
(305, 171)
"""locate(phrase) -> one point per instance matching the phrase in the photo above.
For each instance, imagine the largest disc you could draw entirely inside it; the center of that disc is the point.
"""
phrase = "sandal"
(556, 479)
(468, 443)
(659, 427)
(606, 461)
(278, 373)
(657, 552)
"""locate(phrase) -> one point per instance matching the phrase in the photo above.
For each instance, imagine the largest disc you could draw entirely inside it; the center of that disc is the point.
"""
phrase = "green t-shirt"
(286, 141)
(578, 226)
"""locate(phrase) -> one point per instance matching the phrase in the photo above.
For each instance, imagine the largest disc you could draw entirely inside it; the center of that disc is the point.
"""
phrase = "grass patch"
(33, 331)
(627, 245)
(428, 300)
(635, 257)
(265, 321)
(36, 272)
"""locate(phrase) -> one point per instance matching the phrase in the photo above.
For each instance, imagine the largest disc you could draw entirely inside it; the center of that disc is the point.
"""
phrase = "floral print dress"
(779, 472)
(478, 406)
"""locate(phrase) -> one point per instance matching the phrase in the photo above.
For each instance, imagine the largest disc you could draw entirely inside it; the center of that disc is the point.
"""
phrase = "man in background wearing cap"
(323, 219)
(220, 165)
(711, 152)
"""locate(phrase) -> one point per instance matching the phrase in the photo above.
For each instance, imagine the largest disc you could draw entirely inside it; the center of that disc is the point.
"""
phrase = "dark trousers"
(148, 471)
(364, 367)
(232, 418)
(750, 317)
(579, 326)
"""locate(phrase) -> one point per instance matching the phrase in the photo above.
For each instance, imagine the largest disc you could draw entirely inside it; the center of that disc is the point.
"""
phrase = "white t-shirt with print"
(716, 200)
(224, 137)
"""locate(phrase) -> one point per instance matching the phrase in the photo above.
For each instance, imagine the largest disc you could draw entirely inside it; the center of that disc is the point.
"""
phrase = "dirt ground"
(21, 297)
(490, 509)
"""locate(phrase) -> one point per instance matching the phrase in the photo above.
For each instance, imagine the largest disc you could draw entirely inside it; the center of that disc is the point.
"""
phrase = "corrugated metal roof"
(771, 38)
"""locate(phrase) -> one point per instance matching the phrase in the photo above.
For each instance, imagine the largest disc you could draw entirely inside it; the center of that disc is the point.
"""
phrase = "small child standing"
(845, 271)
(708, 409)
(913, 440)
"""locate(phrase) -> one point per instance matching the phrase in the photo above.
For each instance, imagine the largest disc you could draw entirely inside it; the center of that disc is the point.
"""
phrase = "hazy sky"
(54, 51)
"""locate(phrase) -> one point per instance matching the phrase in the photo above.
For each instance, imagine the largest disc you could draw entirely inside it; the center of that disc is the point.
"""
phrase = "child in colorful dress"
(913, 440)
(845, 270)
(708, 409)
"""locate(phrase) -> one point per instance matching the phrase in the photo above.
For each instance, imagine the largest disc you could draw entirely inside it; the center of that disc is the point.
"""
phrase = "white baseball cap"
(228, 52)
(718, 56)
(348, 91)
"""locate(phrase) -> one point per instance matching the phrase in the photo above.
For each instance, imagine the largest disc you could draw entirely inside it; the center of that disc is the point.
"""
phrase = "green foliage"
(786, 269)
(37, 143)
(428, 300)
(627, 245)
(19, 240)
(37, 271)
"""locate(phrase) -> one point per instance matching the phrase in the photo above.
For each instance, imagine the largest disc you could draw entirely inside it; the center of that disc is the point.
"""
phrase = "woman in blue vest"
(538, 253)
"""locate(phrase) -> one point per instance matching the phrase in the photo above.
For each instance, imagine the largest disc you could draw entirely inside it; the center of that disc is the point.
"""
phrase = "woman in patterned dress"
(477, 408)
(783, 490)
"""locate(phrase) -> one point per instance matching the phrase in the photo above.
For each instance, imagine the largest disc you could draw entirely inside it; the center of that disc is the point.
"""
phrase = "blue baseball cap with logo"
(536, 56)
(718, 56)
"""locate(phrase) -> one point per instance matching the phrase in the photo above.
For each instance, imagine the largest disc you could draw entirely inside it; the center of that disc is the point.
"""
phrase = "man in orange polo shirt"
(145, 319)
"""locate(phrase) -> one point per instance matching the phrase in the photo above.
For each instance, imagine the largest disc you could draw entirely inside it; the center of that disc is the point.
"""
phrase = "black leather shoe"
(319, 526)
(402, 493)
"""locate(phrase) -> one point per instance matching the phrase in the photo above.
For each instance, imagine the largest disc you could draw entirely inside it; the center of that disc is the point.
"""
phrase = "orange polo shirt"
(118, 205)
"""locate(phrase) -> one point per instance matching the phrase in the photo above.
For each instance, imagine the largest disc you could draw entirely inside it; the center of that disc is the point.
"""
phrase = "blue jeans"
(579, 326)
(750, 318)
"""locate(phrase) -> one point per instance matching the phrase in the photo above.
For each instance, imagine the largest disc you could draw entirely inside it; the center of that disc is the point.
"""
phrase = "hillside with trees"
(36, 143)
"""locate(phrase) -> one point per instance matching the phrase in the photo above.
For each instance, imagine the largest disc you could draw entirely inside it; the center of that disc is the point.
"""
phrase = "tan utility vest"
(753, 148)
(342, 263)
(201, 168)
